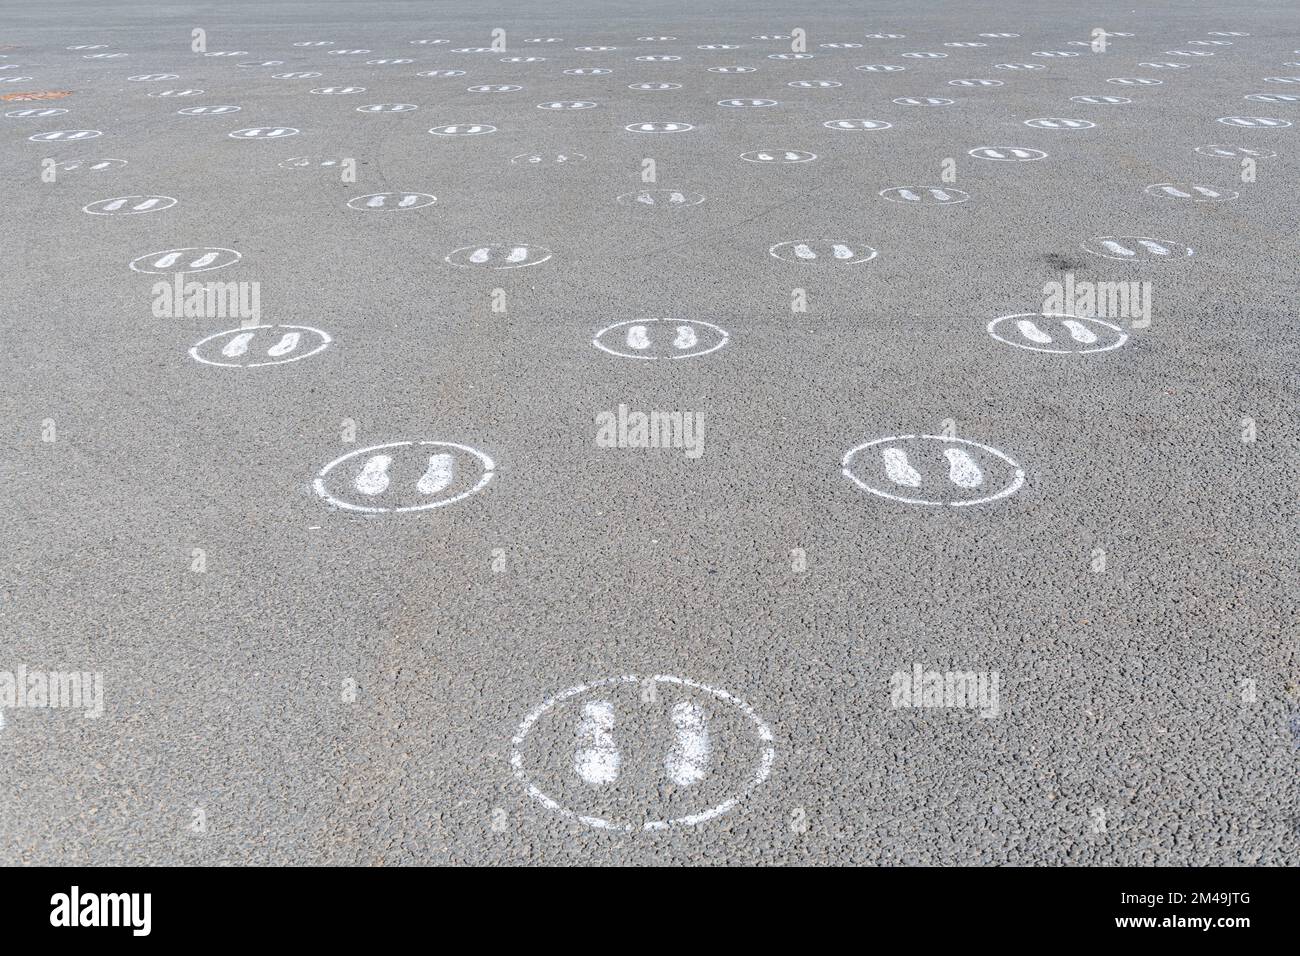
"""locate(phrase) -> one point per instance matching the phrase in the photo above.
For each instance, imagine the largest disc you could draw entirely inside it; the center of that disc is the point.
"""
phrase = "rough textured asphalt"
(1147, 707)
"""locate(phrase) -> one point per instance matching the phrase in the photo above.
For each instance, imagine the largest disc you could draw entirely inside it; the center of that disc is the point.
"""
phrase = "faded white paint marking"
(404, 476)
(187, 259)
(595, 715)
(260, 345)
(1057, 333)
(596, 758)
(661, 338)
(823, 250)
(386, 201)
(1136, 249)
(936, 470)
(129, 205)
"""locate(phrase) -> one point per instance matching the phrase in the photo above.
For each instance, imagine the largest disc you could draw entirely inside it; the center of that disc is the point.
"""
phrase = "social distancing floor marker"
(89, 165)
(385, 202)
(856, 124)
(547, 159)
(925, 195)
(642, 754)
(188, 259)
(1255, 122)
(778, 156)
(1057, 333)
(1235, 152)
(1008, 154)
(208, 110)
(661, 338)
(670, 127)
(264, 132)
(1192, 191)
(661, 199)
(254, 346)
(129, 205)
(463, 129)
(1136, 249)
(65, 136)
(1056, 122)
(404, 476)
(498, 256)
(932, 470)
(831, 251)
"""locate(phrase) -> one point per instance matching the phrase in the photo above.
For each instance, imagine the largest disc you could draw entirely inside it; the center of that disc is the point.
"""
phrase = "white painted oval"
(670, 127)
(399, 477)
(1057, 333)
(695, 780)
(1136, 249)
(925, 195)
(390, 201)
(661, 199)
(504, 255)
(65, 136)
(129, 205)
(264, 132)
(932, 470)
(463, 129)
(1196, 192)
(778, 156)
(654, 339)
(857, 124)
(187, 259)
(830, 251)
(1007, 154)
(257, 345)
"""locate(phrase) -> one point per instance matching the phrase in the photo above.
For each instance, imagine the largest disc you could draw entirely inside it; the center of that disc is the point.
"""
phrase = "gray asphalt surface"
(1146, 711)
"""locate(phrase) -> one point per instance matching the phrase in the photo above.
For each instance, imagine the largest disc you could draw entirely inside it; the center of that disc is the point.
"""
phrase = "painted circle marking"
(1136, 249)
(958, 472)
(545, 159)
(1048, 331)
(655, 339)
(857, 124)
(1007, 154)
(1193, 191)
(384, 202)
(264, 132)
(836, 251)
(1235, 152)
(778, 156)
(128, 205)
(463, 129)
(243, 347)
(65, 136)
(661, 199)
(187, 259)
(498, 256)
(404, 476)
(1056, 122)
(579, 753)
(925, 195)
(658, 127)
(208, 110)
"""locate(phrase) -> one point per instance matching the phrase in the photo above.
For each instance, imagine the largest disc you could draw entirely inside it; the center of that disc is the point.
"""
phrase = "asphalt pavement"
(628, 433)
